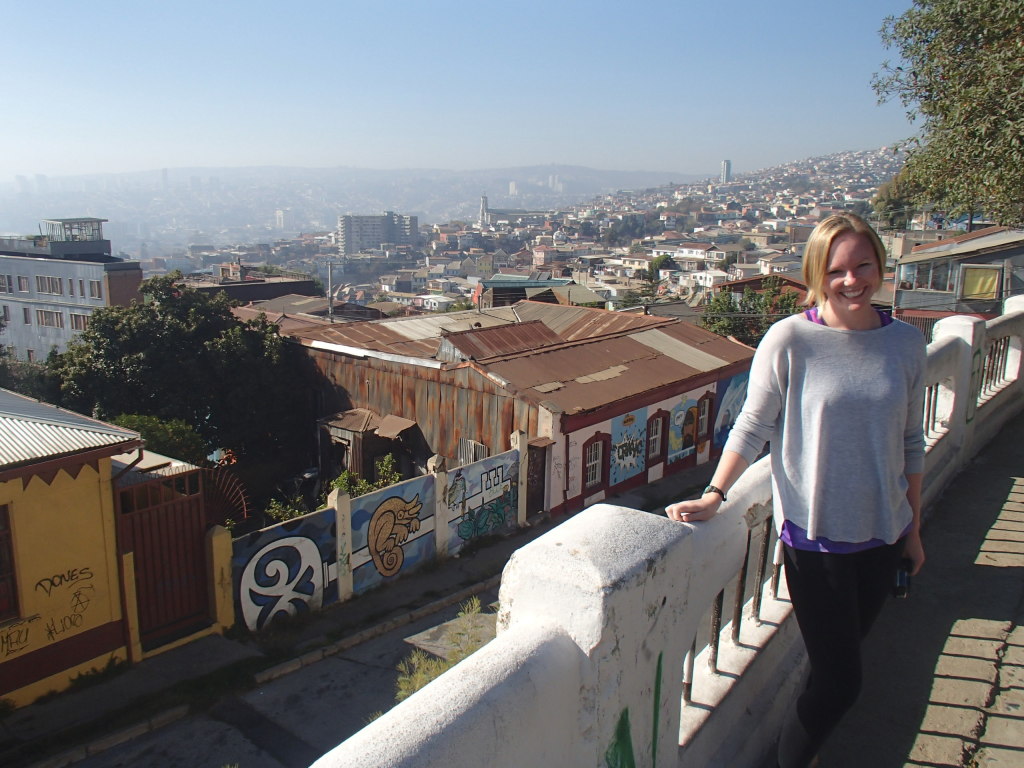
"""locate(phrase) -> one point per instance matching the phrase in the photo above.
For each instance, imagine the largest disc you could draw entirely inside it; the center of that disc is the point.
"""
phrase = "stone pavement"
(944, 669)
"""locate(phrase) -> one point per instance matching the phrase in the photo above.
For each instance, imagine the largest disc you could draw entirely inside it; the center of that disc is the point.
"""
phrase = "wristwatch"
(715, 489)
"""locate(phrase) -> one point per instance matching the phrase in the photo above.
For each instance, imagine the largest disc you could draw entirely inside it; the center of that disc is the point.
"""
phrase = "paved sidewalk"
(944, 677)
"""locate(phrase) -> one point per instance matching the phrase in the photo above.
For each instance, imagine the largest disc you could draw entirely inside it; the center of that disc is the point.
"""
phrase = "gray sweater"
(843, 411)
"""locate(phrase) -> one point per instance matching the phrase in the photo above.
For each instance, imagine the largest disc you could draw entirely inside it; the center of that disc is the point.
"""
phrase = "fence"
(595, 660)
(356, 544)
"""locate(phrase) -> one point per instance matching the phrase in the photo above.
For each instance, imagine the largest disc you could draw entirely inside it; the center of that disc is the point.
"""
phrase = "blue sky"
(671, 85)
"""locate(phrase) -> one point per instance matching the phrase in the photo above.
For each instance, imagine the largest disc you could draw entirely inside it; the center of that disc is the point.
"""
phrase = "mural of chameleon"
(390, 526)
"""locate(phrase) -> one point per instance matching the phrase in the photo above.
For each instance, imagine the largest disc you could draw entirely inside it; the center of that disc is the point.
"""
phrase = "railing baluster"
(688, 672)
(762, 565)
(716, 630)
(741, 591)
(776, 569)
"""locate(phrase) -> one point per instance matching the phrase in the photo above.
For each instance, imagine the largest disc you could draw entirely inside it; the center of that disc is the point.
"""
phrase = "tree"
(184, 356)
(172, 437)
(748, 319)
(894, 202)
(961, 76)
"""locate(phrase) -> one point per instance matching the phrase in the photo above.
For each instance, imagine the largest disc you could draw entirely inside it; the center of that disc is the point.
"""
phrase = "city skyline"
(450, 85)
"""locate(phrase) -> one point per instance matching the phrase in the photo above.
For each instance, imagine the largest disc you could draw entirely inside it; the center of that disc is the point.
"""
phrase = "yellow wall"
(66, 565)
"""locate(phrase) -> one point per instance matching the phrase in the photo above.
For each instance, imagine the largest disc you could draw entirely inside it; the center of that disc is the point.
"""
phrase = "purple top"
(795, 536)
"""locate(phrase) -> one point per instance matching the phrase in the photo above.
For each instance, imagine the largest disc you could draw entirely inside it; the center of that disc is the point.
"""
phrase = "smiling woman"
(838, 392)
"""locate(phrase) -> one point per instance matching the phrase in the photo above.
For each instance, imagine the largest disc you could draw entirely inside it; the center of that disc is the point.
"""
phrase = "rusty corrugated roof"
(587, 375)
(481, 343)
(573, 323)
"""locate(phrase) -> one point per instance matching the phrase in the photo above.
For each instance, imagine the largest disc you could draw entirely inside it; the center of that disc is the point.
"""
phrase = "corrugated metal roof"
(961, 247)
(411, 336)
(481, 343)
(152, 465)
(588, 375)
(31, 430)
(574, 323)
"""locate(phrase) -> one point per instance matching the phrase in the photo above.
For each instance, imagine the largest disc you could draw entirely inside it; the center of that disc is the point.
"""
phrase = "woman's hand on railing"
(695, 510)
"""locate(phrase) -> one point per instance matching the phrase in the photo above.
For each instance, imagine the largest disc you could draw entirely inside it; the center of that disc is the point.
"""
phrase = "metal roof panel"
(31, 430)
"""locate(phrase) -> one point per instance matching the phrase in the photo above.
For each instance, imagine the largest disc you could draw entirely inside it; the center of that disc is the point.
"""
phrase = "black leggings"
(836, 599)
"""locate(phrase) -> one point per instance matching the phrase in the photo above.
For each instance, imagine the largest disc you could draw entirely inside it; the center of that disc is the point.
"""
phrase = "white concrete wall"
(597, 616)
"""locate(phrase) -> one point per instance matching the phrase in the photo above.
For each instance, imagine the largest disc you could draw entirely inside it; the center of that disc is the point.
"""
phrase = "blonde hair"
(819, 244)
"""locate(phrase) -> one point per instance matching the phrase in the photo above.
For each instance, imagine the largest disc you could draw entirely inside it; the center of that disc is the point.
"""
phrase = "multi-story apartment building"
(50, 284)
(358, 233)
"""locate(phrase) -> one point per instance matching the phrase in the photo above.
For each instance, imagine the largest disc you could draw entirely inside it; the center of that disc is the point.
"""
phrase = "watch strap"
(715, 489)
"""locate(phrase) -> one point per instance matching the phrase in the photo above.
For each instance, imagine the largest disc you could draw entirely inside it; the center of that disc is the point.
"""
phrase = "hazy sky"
(105, 86)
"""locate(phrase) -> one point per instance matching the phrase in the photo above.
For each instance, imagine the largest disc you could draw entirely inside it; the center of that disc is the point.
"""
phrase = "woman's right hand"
(695, 510)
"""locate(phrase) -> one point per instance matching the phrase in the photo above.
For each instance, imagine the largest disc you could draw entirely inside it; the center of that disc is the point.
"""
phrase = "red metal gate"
(163, 523)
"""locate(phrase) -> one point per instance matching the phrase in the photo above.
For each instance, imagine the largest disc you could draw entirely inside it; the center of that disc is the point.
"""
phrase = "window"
(47, 284)
(980, 283)
(95, 289)
(26, 314)
(23, 284)
(71, 287)
(6, 284)
(6, 314)
(702, 419)
(30, 355)
(79, 322)
(81, 287)
(596, 455)
(656, 444)
(8, 585)
(50, 319)
(592, 461)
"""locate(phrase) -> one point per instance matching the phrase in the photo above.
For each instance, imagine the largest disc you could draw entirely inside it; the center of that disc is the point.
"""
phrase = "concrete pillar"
(518, 442)
(437, 466)
(970, 331)
(629, 588)
(131, 608)
(218, 558)
(342, 504)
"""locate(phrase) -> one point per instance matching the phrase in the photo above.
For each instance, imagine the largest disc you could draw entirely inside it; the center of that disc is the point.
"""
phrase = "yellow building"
(61, 580)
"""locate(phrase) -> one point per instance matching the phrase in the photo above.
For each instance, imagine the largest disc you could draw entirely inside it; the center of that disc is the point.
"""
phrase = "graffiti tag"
(57, 627)
(14, 638)
(71, 576)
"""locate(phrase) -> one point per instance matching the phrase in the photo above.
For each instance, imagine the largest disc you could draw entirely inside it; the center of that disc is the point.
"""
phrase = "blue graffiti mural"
(482, 498)
(392, 532)
(286, 569)
(728, 401)
(629, 443)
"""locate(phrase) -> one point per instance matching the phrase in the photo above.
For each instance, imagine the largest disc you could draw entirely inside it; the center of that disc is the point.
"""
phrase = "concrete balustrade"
(597, 616)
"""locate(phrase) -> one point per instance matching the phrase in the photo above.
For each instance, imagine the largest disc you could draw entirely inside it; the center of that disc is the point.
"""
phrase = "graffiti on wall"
(728, 402)
(682, 430)
(392, 531)
(74, 591)
(629, 439)
(16, 636)
(482, 498)
(286, 569)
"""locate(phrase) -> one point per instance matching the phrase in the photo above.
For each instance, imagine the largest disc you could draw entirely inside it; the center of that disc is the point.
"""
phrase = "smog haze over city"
(116, 87)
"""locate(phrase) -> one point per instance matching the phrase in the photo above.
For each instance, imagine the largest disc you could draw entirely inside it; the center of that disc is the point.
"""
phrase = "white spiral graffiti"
(268, 584)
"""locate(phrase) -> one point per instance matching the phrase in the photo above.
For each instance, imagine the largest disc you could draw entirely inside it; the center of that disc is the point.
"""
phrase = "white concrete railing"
(598, 614)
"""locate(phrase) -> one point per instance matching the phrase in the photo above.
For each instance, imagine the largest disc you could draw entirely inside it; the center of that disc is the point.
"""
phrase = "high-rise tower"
(485, 215)
(726, 175)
